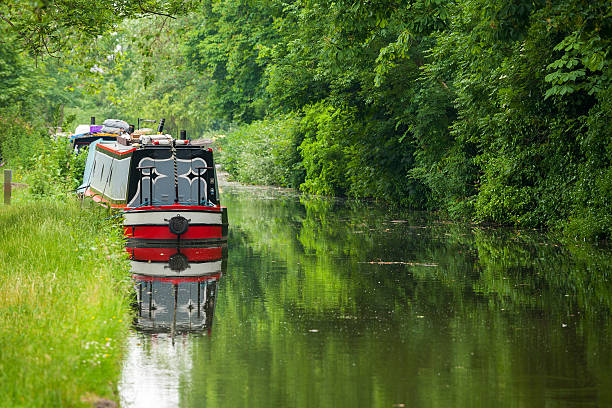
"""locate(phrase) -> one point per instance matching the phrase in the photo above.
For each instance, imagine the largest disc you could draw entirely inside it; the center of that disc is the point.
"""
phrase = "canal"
(327, 303)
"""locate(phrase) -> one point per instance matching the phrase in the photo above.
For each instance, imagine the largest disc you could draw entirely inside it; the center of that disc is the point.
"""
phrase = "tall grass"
(63, 304)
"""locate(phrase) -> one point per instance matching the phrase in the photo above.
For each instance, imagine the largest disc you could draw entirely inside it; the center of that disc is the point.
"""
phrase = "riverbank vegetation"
(63, 271)
(64, 282)
(496, 112)
(64, 304)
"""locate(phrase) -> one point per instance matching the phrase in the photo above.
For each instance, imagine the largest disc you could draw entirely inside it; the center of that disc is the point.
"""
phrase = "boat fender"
(178, 225)
(178, 262)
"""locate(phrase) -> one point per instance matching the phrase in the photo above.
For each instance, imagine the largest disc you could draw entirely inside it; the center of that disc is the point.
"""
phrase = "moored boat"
(86, 134)
(165, 187)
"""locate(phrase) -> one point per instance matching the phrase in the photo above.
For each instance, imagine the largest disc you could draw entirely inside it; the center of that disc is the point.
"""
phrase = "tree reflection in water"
(331, 304)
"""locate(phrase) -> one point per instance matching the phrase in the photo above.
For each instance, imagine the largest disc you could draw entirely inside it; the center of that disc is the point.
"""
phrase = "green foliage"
(591, 216)
(57, 170)
(583, 63)
(517, 142)
(49, 27)
(49, 166)
(264, 152)
(229, 45)
(33, 98)
(16, 76)
(75, 165)
(323, 150)
(491, 111)
(19, 141)
(480, 109)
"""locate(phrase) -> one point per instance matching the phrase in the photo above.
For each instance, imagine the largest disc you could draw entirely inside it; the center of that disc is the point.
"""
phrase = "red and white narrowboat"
(166, 188)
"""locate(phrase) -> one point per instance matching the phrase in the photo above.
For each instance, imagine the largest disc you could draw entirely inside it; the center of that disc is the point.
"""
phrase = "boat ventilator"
(178, 225)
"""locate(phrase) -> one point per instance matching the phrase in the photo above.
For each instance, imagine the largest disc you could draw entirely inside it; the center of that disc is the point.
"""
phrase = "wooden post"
(8, 175)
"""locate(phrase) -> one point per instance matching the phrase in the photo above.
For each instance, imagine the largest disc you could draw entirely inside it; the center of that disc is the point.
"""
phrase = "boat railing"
(150, 175)
(199, 169)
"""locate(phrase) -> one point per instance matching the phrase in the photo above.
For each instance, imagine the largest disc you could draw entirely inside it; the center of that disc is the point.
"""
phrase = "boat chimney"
(183, 135)
(93, 120)
(160, 129)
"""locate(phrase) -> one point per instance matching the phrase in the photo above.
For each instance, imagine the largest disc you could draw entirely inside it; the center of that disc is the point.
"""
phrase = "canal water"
(327, 303)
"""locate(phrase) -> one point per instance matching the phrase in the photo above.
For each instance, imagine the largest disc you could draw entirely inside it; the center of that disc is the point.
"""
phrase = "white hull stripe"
(162, 269)
(162, 217)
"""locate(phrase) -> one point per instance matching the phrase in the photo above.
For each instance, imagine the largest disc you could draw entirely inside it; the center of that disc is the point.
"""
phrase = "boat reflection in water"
(176, 287)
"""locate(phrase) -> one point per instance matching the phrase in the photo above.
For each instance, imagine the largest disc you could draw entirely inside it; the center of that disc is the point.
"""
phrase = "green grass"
(64, 309)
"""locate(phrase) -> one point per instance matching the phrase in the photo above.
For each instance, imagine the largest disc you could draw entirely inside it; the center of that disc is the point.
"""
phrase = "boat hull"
(201, 224)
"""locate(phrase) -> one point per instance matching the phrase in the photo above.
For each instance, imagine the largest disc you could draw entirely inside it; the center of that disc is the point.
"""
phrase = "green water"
(333, 304)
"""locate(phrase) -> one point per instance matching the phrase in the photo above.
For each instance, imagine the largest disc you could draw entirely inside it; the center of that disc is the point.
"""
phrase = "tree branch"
(7, 20)
(144, 10)
(26, 38)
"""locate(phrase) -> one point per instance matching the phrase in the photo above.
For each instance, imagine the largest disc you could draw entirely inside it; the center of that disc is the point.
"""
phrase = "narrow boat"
(165, 187)
(85, 134)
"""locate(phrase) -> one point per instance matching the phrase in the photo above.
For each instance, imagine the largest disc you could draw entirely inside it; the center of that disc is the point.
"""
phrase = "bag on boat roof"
(108, 129)
(116, 123)
(81, 129)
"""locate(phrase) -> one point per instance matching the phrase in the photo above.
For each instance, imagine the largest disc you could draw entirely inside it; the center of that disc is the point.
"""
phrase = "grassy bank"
(63, 304)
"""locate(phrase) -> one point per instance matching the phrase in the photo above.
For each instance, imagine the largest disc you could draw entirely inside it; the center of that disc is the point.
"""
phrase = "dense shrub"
(264, 152)
(324, 149)
(591, 194)
(19, 140)
(327, 151)
(47, 163)
(58, 169)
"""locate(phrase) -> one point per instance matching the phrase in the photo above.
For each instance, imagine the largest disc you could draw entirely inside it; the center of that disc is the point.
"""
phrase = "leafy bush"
(323, 150)
(54, 173)
(19, 141)
(264, 152)
(591, 216)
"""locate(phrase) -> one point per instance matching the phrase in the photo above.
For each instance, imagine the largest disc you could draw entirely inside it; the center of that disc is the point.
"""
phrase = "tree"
(46, 27)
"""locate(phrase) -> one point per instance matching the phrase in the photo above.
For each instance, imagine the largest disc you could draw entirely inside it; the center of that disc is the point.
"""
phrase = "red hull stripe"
(143, 278)
(101, 200)
(163, 232)
(118, 152)
(164, 254)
